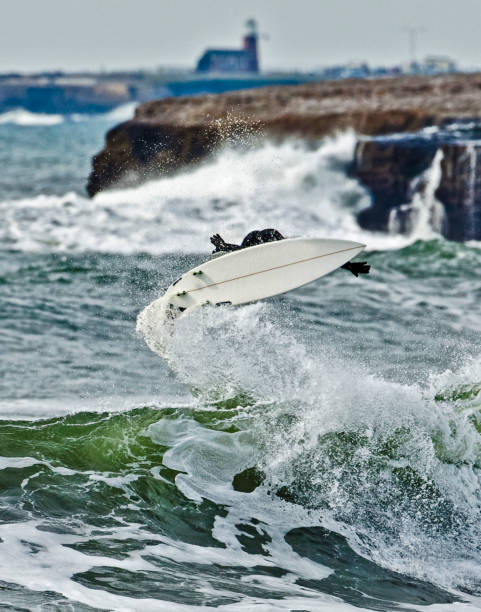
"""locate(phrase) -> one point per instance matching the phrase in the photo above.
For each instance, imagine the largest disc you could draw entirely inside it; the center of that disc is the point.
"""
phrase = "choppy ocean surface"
(318, 451)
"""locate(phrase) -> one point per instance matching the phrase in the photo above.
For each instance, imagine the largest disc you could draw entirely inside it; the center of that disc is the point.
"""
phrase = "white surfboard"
(255, 273)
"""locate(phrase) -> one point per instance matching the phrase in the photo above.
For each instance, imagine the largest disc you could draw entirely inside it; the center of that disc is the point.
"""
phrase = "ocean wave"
(301, 190)
(25, 118)
(393, 467)
(119, 467)
(20, 116)
(122, 112)
(285, 469)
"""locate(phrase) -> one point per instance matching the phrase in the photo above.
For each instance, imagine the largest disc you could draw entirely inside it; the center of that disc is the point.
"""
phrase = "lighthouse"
(238, 61)
(250, 45)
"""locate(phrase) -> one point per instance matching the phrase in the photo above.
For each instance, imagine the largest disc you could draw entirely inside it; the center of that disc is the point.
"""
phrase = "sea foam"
(20, 116)
(299, 189)
(393, 467)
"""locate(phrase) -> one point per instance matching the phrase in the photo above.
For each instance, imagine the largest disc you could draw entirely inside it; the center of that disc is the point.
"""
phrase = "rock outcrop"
(388, 168)
(167, 134)
(460, 190)
(395, 171)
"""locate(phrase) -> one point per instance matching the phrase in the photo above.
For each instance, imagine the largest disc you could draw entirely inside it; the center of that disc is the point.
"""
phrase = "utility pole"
(413, 32)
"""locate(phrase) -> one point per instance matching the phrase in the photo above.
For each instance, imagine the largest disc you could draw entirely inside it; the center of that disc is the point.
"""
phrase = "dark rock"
(248, 480)
(136, 151)
(392, 171)
(387, 169)
(460, 191)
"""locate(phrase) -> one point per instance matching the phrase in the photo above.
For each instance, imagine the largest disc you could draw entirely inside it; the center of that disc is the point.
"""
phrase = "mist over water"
(316, 451)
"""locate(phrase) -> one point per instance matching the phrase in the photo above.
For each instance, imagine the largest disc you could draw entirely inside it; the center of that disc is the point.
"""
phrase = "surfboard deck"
(257, 272)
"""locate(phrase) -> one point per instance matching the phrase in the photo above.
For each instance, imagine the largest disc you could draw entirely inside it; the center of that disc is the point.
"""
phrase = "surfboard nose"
(356, 245)
(350, 244)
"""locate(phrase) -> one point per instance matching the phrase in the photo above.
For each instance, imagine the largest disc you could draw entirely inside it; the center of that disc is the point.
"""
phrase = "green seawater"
(300, 422)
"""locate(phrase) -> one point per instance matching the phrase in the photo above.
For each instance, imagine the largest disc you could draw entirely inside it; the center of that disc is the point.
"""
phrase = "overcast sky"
(305, 34)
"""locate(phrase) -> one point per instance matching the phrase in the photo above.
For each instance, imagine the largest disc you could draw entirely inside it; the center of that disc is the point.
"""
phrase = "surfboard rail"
(258, 272)
(292, 263)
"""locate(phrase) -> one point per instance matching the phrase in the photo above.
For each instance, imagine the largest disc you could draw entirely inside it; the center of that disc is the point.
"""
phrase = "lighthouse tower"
(250, 46)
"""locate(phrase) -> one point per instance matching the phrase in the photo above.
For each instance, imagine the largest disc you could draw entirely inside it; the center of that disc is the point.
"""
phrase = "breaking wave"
(20, 116)
(394, 468)
(23, 117)
(300, 189)
(317, 451)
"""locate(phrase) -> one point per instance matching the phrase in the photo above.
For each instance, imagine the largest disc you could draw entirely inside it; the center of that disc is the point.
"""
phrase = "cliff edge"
(167, 134)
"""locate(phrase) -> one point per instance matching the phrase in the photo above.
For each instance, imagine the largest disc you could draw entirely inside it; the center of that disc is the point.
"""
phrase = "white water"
(23, 117)
(303, 394)
(425, 213)
(299, 190)
(20, 116)
(123, 112)
(43, 571)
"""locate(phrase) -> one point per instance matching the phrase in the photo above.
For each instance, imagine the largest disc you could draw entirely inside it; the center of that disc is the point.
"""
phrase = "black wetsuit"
(252, 238)
(271, 235)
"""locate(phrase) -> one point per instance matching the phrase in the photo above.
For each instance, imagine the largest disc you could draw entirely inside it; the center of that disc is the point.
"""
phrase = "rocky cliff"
(167, 134)
(403, 175)
(400, 172)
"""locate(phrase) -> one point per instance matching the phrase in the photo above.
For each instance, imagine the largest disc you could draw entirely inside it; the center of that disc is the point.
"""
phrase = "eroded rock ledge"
(167, 134)
(407, 177)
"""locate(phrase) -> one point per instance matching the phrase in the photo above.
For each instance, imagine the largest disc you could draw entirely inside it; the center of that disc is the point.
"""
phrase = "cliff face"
(395, 171)
(137, 150)
(388, 169)
(460, 191)
(167, 134)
